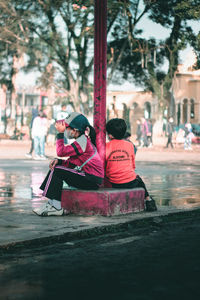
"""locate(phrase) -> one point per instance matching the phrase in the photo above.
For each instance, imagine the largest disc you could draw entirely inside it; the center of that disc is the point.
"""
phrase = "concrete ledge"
(105, 202)
(28, 233)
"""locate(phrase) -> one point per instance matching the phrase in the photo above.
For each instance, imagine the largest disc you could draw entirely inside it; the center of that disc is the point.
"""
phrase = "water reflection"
(171, 185)
(20, 191)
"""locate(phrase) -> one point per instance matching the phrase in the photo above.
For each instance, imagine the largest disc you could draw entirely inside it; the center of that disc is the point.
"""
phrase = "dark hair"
(41, 113)
(92, 135)
(127, 135)
(117, 127)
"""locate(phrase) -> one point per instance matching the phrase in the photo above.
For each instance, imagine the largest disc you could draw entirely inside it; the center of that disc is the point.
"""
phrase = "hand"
(60, 126)
(53, 163)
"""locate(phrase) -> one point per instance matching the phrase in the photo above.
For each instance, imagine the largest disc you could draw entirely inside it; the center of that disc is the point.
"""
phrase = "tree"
(57, 37)
(13, 41)
(60, 33)
(142, 60)
(124, 30)
(63, 33)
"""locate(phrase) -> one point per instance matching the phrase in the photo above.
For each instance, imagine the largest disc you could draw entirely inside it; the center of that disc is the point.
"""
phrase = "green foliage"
(142, 61)
(57, 37)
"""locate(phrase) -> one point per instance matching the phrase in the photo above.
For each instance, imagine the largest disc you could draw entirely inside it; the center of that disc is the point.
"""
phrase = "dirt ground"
(156, 259)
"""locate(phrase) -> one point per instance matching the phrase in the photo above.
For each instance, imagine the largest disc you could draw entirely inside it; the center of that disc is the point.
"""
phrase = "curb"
(155, 219)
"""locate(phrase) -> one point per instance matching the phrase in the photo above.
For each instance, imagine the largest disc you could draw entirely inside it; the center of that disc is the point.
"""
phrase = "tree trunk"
(74, 94)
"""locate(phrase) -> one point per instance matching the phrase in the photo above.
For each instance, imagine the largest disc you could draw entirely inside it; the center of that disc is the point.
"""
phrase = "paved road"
(159, 260)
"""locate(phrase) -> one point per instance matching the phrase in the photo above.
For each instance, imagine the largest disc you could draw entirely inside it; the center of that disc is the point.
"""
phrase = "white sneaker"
(37, 210)
(28, 155)
(48, 210)
(37, 157)
(42, 157)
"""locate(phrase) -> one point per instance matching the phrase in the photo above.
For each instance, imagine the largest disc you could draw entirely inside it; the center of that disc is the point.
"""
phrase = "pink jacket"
(78, 152)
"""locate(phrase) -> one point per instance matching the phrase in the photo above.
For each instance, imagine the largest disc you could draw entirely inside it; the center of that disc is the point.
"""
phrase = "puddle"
(170, 185)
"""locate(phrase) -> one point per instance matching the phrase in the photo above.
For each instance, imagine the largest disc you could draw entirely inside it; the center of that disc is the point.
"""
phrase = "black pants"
(32, 146)
(145, 140)
(169, 141)
(53, 182)
(136, 183)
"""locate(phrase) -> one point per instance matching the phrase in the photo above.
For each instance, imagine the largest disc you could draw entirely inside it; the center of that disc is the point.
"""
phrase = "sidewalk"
(23, 228)
(17, 149)
(28, 230)
(11, 149)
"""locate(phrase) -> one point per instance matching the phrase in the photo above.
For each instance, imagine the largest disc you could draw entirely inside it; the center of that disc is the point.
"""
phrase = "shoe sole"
(49, 214)
(36, 213)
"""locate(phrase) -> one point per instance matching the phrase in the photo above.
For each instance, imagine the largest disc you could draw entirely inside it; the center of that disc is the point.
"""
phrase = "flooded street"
(19, 184)
(174, 184)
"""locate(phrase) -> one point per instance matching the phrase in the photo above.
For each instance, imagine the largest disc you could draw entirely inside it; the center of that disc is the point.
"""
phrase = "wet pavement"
(172, 184)
(175, 186)
(155, 260)
(135, 256)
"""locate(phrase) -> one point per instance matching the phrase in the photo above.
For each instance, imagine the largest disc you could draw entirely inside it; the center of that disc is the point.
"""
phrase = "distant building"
(185, 107)
(186, 90)
(130, 105)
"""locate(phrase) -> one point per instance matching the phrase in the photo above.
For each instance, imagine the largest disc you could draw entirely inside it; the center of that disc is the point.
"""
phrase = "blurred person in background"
(169, 132)
(145, 132)
(138, 133)
(150, 133)
(51, 135)
(61, 115)
(127, 137)
(34, 115)
(39, 132)
(164, 127)
(188, 136)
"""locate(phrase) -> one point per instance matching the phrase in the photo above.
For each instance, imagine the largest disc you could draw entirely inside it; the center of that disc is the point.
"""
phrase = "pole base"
(104, 202)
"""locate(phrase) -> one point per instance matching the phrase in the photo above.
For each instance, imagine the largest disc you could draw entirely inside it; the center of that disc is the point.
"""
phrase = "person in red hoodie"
(83, 169)
(120, 161)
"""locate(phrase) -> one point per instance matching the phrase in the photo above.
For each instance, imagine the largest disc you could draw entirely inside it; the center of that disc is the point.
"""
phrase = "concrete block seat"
(105, 201)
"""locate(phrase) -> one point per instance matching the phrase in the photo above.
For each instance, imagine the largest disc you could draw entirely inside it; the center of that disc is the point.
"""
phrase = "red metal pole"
(100, 64)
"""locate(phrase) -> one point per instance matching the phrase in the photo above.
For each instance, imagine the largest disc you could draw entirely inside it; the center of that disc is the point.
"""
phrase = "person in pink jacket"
(83, 169)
